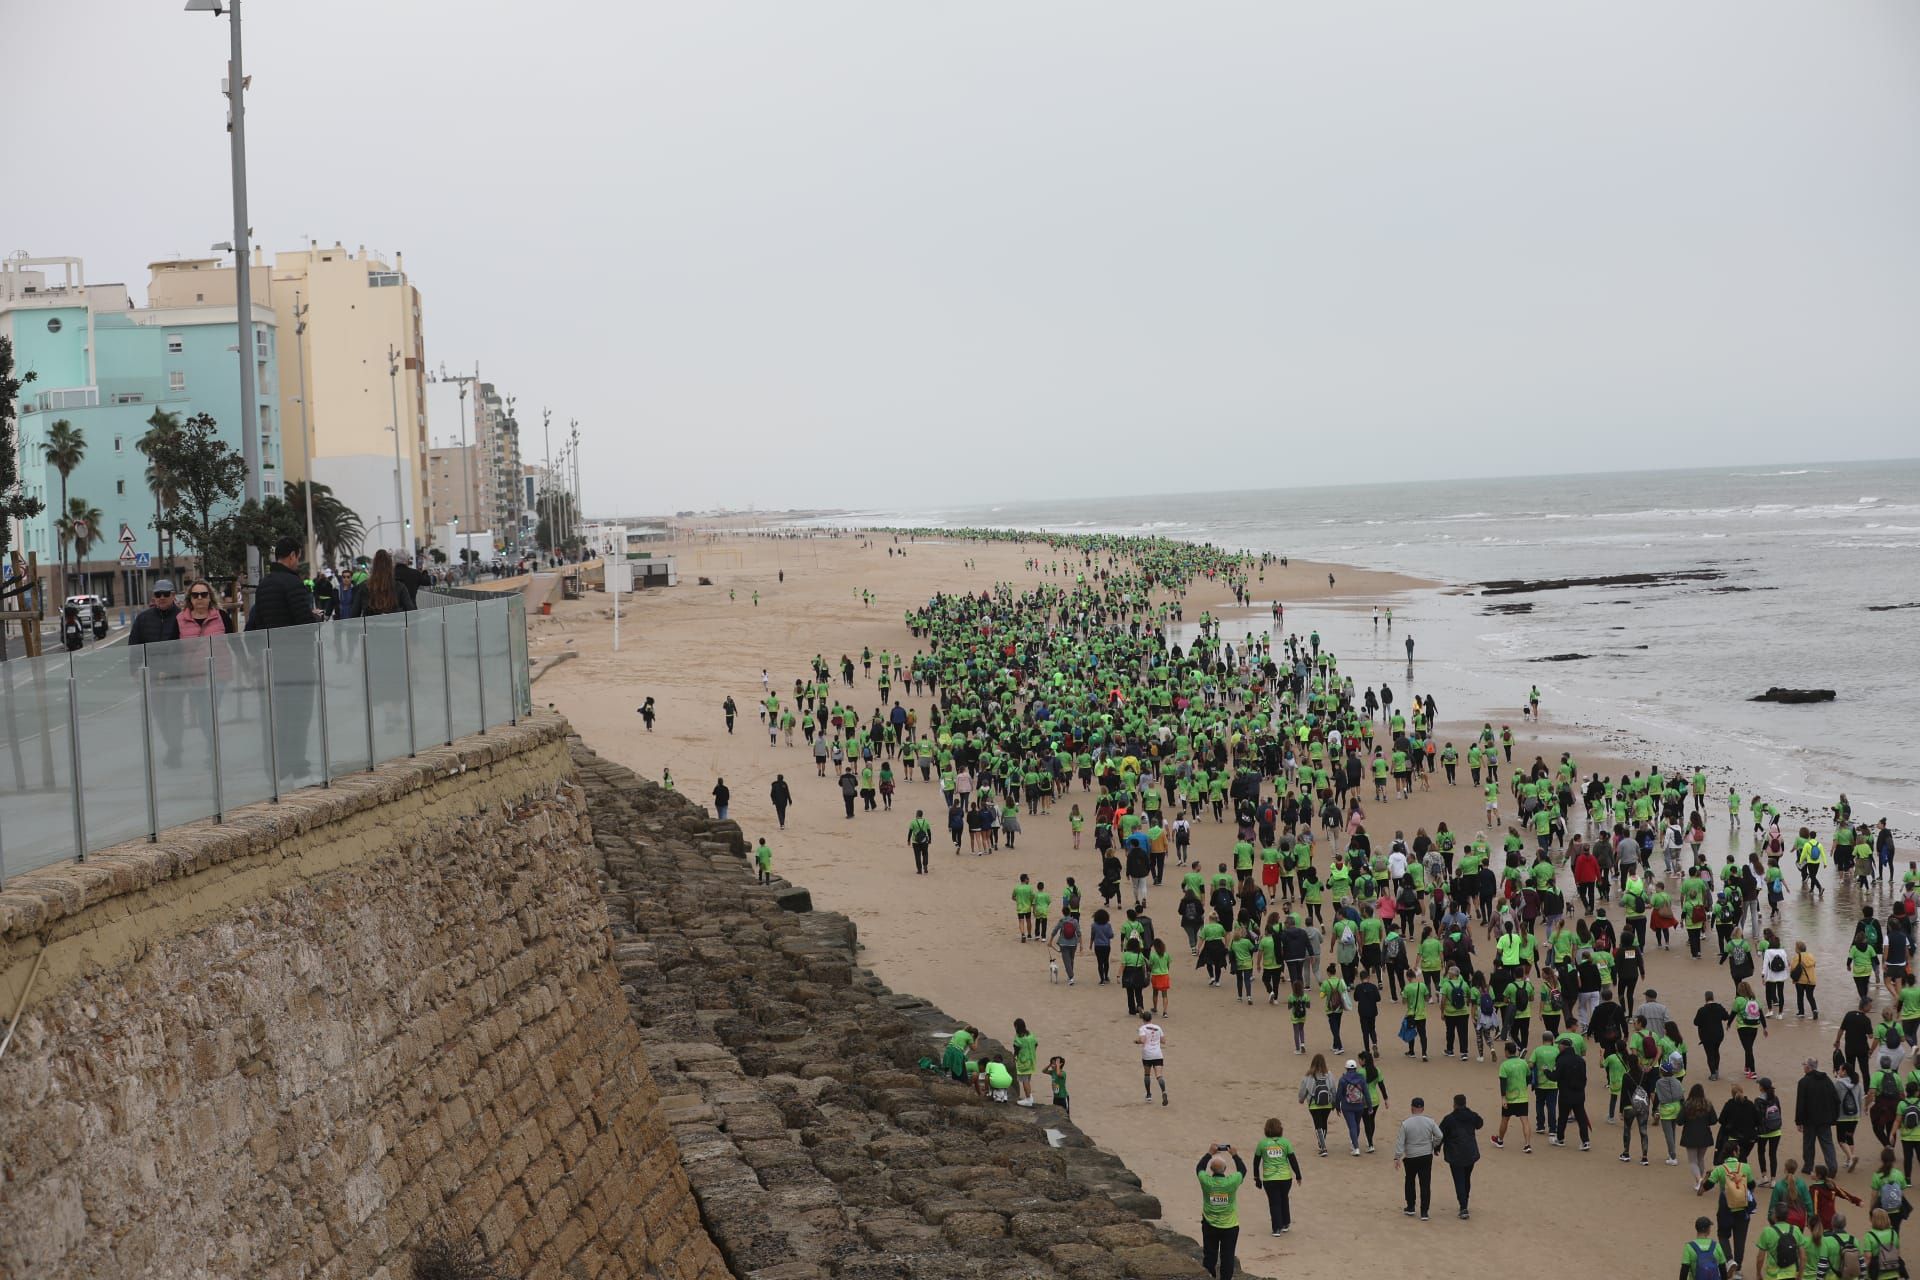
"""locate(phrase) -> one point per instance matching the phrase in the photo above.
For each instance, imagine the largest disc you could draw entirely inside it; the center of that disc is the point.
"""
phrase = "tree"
(14, 503)
(80, 525)
(255, 524)
(556, 517)
(65, 446)
(161, 428)
(336, 526)
(207, 475)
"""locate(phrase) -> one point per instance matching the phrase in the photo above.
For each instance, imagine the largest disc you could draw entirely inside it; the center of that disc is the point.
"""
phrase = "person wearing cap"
(1816, 1106)
(159, 622)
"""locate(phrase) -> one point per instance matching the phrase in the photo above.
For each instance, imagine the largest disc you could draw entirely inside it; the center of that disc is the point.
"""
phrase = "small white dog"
(1053, 969)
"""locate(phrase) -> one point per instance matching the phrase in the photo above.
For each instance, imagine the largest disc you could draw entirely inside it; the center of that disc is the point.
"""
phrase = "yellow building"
(357, 308)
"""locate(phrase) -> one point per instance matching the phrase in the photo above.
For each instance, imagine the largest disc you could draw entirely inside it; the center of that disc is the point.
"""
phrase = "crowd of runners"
(1526, 940)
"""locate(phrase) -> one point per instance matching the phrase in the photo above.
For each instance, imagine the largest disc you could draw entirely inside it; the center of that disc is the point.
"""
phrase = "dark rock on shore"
(1519, 586)
(1777, 694)
(1564, 657)
(1524, 606)
(1889, 608)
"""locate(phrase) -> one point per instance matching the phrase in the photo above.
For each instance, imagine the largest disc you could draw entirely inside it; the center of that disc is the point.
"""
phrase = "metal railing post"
(213, 703)
(513, 677)
(446, 673)
(146, 738)
(273, 735)
(326, 743)
(406, 668)
(480, 666)
(73, 749)
(366, 686)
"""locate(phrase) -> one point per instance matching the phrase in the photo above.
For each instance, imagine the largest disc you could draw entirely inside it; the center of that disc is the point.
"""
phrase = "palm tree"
(336, 526)
(66, 444)
(80, 524)
(161, 427)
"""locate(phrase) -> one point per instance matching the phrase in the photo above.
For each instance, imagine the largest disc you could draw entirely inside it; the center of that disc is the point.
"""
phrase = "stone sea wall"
(815, 1144)
(301, 1042)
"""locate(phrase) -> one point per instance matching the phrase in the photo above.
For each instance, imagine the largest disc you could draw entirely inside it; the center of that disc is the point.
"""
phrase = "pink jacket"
(212, 625)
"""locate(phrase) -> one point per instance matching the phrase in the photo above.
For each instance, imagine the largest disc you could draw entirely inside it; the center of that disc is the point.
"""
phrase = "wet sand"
(951, 936)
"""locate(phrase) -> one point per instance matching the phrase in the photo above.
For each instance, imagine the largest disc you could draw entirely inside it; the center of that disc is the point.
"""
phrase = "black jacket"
(1815, 1102)
(782, 794)
(281, 601)
(403, 601)
(1570, 1070)
(1457, 1143)
(1710, 1021)
(154, 626)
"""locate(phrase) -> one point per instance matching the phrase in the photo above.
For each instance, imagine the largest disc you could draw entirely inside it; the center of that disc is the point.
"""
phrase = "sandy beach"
(951, 936)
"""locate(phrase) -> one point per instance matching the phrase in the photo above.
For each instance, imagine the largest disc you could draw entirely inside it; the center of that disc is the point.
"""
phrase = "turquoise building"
(105, 366)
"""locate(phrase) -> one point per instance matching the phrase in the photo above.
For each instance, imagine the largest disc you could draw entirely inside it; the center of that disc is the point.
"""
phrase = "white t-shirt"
(1151, 1033)
(1396, 865)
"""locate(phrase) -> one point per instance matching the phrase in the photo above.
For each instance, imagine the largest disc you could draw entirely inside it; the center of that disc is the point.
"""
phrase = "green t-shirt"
(1026, 1050)
(1545, 1058)
(1022, 899)
(998, 1077)
(1273, 1158)
(1513, 1080)
(1218, 1192)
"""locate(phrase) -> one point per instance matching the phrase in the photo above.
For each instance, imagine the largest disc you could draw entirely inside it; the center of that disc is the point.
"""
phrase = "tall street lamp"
(235, 91)
(393, 387)
(306, 423)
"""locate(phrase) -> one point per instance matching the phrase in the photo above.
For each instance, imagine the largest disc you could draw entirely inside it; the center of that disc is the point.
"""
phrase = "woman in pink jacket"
(200, 618)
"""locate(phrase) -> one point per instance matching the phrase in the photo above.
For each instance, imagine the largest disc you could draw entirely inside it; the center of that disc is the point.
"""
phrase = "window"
(199, 297)
(120, 486)
(127, 397)
(53, 324)
(175, 344)
(119, 444)
(382, 279)
(177, 380)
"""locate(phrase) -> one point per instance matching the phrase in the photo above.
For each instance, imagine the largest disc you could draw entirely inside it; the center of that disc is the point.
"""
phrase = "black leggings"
(1420, 1034)
(1278, 1209)
(1767, 1156)
(1747, 1037)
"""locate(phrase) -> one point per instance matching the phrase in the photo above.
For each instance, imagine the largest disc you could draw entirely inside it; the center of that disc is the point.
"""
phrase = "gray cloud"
(837, 253)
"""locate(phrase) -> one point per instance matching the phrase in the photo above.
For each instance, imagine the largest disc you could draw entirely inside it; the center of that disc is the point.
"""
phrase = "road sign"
(126, 532)
(127, 554)
(142, 559)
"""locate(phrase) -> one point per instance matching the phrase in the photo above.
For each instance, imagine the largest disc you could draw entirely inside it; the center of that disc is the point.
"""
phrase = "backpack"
(1069, 930)
(1353, 1093)
(1706, 1265)
(1849, 1103)
(1910, 1116)
(1892, 1197)
(1733, 1193)
(1753, 1011)
(1886, 1260)
(1849, 1268)
(1486, 1004)
(1394, 947)
(1786, 1250)
(1770, 1117)
(1322, 1095)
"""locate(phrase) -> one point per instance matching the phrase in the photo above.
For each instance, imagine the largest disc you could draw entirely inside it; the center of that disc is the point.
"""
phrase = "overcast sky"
(817, 253)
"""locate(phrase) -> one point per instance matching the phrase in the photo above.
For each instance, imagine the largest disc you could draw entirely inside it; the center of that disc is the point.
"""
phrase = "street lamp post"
(306, 424)
(546, 481)
(242, 255)
(393, 387)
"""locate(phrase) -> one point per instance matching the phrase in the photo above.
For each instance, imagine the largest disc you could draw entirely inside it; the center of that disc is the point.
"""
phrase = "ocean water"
(1804, 552)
